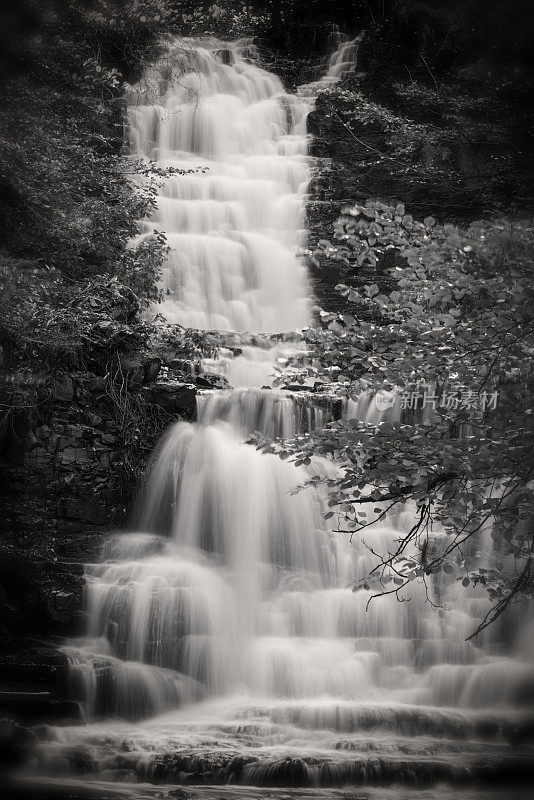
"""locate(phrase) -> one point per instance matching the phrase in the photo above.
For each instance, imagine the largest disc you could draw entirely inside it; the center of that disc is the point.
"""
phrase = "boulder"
(225, 56)
(151, 369)
(174, 397)
(211, 380)
(61, 388)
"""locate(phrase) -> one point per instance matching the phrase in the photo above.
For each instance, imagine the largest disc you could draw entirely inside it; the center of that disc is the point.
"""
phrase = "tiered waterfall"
(224, 643)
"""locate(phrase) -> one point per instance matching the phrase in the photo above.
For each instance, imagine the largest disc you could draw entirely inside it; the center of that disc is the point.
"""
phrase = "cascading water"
(233, 228)
(232, 610)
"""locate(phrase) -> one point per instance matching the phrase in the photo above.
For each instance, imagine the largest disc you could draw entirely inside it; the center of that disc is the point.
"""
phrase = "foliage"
(455, 336)
(139, 425)
(228, 20)
(72, 198)
(69, 202)
(45, 324)
(73, 274)
(445, 148)
(48, 328)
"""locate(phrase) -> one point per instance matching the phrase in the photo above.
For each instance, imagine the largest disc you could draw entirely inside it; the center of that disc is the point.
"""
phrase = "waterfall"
(233, 225)
(343, 60)
(224, 643)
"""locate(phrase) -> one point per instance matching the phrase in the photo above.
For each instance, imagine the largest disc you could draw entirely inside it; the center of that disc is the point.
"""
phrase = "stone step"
(72, 789)
(33, 683)
(247, 768)
(32, 707)
(33, 665)
(45, 677)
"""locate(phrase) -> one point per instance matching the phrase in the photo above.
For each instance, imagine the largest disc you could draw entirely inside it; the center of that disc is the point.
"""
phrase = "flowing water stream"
(224, 644)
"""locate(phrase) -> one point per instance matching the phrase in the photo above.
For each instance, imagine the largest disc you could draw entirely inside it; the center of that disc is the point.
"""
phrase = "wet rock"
(80, 543)
(183, 366)
(286, 772)
(31, 662)
(174, 397)
(297, 387)
(43, 597)
(33, 682)
(512, 771)
(15, 740)
(211, 380)
(33, 707)
(87, 510)
(225, 56)
(61, 388)
(518, 732)
(151, 369)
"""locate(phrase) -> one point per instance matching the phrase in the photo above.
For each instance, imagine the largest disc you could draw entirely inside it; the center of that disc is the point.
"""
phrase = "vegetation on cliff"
(437, 314)
(70, 283)
(446, 335)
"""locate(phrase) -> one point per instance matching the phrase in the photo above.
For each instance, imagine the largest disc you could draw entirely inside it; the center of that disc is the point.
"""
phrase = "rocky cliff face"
(70, 469)
(71, 465)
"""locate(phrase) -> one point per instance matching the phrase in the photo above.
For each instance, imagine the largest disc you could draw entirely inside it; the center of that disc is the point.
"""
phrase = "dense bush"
(71, 282)
(445, 150)
(68, 201)
(455, 338)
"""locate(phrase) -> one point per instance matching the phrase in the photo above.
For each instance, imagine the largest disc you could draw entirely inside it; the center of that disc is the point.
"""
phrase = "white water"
(232, 610)
(343, 60)
(234, 229)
